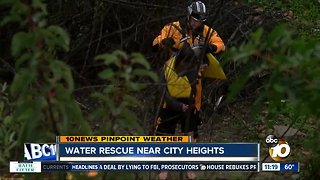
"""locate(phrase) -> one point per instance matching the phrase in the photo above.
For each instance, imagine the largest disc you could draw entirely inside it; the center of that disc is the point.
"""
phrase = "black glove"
(198, 119)
(155, 48)
(211, 49)
(168, 42)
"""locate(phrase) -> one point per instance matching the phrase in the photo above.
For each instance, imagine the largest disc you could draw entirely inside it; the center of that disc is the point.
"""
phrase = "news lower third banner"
(37, 167)
(136, 153)
(158, 152)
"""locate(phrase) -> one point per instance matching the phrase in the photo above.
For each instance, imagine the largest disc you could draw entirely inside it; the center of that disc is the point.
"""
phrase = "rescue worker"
(180, 78)
(193, 31)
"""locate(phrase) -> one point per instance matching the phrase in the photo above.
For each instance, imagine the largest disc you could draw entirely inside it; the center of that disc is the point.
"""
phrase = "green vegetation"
(116, 98)
(294, 76)
(8, 129)
(41, 98)
(300, 14)
(42, 88)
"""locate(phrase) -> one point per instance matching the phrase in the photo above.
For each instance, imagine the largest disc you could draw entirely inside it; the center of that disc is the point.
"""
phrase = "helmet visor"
(198, 17)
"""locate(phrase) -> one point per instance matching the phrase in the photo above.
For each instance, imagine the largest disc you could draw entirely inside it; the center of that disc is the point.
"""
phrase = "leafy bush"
(43, 85)
(8, 129)
(294, 73)
(41, 103)
(117, 98)
(302, 15)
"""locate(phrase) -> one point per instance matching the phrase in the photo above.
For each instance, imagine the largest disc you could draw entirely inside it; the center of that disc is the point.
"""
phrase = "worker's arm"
(168, 38)
(215, 44)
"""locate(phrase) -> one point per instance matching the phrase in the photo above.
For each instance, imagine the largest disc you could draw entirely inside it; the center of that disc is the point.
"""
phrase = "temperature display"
(286, 166)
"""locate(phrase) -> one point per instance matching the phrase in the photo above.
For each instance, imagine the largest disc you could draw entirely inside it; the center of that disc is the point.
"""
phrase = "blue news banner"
(145, 156)
(157, 157)
(156, 152)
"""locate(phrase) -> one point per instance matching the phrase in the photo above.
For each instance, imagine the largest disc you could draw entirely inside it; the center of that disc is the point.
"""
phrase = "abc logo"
(279, 149)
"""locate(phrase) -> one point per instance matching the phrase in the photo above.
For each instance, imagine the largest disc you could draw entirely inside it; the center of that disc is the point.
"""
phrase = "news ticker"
(38, 167)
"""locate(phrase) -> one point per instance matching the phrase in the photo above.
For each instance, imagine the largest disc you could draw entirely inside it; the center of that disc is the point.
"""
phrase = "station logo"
(279, 149)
